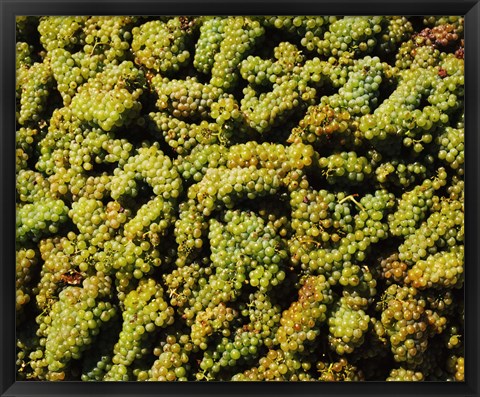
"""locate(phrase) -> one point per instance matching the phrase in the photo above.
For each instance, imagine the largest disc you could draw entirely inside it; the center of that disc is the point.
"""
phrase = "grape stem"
(351, 197)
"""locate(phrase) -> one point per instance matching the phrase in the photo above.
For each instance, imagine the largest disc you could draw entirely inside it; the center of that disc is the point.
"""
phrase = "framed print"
(243, 198)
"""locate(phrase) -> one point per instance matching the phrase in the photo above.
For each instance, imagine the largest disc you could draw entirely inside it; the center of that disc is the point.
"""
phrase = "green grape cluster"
(25, 262)
(215, 114)
(247, 341)
(32, 186)
(442, 229)
(440, 270)
(397, 30)
(405, 375)
(277, 365)
(61, 31)
(356, 34)
(345, 167)
(414, 206)
(239, 36)
(173, 359)
(98, 360)
(161, 45)
(108, 36)
(338, 371)
(308, 28)
(297, 324)
(35, 85)
(115, 92)
(71, 70)
(347, 327)
(185, 99)
(240, 198)
(262, 110)
(153, 167)
(90, 217)
(259, 71)
(45, 216)
(452, 148)
(137, 324)
(184, 283)
(402, 173)
(72, 325)
(208, 43)
(406, 324)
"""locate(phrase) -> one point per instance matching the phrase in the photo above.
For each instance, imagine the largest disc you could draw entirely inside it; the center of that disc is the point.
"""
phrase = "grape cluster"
(240, 198)
(239, 35)
(277, 365)
(413, 206)
(61, 31)
(339, 371)
(145, 310)
(452, 149)
(404, 375)
(161, 45)
(347, 327)
(298, 322)
(356, 34)
(173, 359)
(406, 324)
(45, 216)
(35, 85)
(247, 341)
(26, 261)
(71, 325)
(345, 167)
(116, 102)
(108, 37)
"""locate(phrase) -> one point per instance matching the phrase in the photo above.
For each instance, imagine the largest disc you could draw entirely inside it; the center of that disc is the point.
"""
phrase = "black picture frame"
(9, 8)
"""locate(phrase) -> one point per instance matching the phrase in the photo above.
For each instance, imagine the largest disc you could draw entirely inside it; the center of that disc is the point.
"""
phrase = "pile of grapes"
(240, 198)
